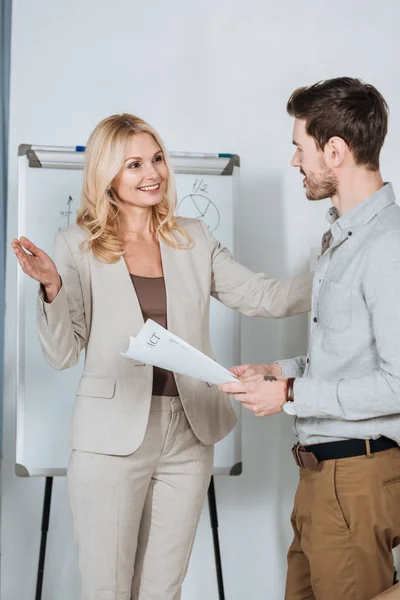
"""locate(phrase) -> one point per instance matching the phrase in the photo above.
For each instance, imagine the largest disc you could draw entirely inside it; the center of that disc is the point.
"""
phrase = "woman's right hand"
(38, 265)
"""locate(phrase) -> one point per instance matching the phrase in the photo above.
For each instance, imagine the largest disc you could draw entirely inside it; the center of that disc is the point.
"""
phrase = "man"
(345, 394)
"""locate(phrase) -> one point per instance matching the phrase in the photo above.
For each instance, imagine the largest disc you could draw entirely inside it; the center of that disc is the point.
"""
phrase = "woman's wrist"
(51, 289)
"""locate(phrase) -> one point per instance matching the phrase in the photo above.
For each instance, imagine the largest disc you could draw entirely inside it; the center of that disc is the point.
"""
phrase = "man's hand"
(262, 394)
(244, 371)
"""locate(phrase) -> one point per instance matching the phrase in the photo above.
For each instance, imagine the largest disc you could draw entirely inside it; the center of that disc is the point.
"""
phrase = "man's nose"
(295, 162)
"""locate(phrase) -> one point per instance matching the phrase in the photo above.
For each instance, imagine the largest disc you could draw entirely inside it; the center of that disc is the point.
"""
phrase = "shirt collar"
(363, 212)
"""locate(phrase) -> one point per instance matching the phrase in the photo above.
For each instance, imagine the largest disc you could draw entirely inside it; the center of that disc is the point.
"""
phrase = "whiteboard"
(49, 187)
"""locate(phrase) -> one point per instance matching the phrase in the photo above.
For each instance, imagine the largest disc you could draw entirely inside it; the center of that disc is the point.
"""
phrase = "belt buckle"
(296, 453)
(311, 462)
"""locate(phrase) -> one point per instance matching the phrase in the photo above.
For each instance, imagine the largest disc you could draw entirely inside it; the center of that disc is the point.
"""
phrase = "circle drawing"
(197, 206)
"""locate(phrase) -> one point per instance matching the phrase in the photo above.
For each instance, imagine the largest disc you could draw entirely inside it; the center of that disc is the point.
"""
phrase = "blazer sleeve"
(255, 294)
(62, 323)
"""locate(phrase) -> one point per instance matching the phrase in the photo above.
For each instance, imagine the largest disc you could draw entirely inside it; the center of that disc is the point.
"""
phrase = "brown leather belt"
(309, 457)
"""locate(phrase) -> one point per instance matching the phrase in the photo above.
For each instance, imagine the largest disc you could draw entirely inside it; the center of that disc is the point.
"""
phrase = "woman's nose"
(150, 172)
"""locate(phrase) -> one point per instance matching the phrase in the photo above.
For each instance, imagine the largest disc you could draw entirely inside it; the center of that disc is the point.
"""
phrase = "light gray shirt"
(348, 385)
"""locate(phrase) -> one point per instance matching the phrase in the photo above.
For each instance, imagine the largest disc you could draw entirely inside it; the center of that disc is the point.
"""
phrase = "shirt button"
(350, 233)
(315, 320)
(308, 360)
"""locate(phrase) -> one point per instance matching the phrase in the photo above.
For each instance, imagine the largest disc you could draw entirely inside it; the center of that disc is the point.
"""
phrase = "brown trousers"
(346, 521)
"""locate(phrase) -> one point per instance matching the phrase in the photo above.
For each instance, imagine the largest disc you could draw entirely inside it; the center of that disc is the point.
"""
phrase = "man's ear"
(335, 151)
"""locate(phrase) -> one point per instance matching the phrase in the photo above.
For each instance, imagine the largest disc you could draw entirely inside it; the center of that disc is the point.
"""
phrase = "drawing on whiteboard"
(66, 213)
(198, 205)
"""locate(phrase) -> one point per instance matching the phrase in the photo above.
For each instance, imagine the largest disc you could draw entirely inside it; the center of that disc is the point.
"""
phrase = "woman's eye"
(158, 158)
(134, 165)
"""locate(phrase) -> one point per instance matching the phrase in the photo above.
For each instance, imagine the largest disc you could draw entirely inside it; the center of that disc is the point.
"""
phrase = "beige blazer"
(97, 310)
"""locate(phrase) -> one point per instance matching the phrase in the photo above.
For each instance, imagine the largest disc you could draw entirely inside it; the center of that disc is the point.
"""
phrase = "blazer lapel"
(181, 290)
(169, 267)
(118, 290)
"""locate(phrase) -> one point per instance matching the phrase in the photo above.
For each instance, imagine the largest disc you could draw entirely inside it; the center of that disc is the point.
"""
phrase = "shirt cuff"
(292, 367)
(314, 398)
(304, 393)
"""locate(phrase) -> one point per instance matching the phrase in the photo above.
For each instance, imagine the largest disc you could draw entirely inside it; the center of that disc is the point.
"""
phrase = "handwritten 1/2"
(200, 186)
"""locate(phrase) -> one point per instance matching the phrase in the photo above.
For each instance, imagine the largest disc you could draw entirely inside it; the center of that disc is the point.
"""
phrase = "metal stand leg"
(212, 505)
(43, 540)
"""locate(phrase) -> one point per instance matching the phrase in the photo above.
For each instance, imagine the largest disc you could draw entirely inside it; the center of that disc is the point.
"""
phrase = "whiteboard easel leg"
(212, 505)
(43, 539)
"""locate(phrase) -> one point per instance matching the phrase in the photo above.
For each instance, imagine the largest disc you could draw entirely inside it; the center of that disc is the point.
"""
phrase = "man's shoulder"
(387, 221)
(391, 215)
(384, 243)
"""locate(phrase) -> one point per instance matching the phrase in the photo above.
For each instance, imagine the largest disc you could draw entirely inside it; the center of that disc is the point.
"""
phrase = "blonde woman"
(142, 438)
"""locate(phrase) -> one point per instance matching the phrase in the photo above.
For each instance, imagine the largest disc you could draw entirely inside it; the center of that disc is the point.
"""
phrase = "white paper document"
(156, 346)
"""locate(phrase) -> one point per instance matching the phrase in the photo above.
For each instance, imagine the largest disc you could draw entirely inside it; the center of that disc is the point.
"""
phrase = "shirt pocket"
(335, 306)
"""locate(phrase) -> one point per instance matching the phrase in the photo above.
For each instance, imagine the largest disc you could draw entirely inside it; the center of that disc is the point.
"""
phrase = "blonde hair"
(99, 212)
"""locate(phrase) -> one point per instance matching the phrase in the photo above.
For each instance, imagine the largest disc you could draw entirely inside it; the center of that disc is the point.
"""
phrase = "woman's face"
(143, 177)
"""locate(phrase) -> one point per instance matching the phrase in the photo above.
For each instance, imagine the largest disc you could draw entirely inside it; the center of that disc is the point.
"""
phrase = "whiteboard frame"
(60, 157)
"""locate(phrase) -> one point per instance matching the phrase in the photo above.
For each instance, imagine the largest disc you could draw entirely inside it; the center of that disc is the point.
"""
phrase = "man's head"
(339, 124)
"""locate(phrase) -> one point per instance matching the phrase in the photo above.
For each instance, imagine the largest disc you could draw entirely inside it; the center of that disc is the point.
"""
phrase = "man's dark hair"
(345, 107)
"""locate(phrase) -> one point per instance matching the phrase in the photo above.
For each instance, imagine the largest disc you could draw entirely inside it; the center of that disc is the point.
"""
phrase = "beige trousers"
(136, 516)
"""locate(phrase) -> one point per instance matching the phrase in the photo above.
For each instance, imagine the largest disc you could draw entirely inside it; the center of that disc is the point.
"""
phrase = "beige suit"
(97, 309)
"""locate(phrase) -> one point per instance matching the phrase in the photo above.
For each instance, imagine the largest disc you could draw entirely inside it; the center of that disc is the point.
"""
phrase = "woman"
(142, 439)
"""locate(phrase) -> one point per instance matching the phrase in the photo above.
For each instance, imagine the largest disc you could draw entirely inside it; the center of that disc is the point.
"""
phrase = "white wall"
(210, 76)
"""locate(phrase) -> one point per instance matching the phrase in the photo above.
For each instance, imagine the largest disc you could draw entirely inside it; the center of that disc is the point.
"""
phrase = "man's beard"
(322, 185)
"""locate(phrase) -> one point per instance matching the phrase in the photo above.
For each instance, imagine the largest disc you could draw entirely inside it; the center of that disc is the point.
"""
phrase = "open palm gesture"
(36, 263)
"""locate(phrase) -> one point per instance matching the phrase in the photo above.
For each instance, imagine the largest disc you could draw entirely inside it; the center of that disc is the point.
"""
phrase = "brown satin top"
(153, 302)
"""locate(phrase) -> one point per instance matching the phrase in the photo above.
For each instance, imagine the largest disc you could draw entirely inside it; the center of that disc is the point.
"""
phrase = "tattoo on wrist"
(270, 378)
